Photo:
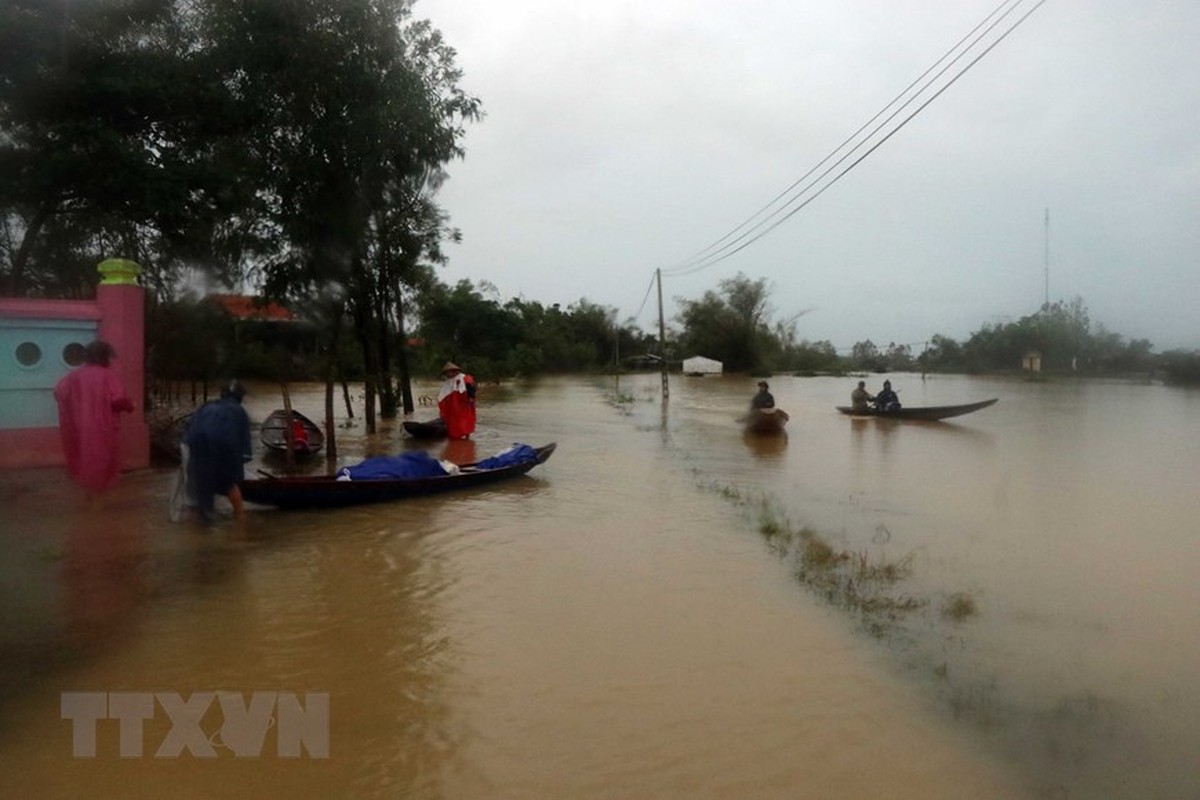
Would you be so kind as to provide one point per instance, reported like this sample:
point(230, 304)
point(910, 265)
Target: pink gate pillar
point(122, 324)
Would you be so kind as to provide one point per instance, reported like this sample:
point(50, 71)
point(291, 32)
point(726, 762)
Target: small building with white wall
point(699, 365)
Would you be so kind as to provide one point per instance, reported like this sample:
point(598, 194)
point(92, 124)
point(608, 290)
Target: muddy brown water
point(636, 617)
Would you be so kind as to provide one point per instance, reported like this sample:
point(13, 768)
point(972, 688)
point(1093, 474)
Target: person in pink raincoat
point(89, 400)
point(456, 402)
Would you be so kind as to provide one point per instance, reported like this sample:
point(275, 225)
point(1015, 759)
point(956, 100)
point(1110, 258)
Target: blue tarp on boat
point(517, 454)
point(414, 464)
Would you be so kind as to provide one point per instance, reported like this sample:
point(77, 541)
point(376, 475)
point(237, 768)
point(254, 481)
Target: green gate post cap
point(119, 272)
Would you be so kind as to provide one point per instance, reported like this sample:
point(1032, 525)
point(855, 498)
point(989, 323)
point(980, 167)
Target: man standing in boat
point(456, 401)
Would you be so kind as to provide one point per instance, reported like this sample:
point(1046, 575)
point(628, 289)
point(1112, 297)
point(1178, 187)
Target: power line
point(846, 141)
point(649, 288)
point(726, 247)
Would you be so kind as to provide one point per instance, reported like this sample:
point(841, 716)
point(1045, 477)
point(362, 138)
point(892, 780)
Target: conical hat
point(451, 366)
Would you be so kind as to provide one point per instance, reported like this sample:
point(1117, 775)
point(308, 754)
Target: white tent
point(699, 365)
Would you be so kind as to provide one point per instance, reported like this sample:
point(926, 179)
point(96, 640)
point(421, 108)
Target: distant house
point(242, 307)
point(1032, 362)
point(265, 332)
point(699, 365)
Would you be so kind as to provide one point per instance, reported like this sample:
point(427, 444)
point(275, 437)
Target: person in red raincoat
point(456, 402)
point(89, 400)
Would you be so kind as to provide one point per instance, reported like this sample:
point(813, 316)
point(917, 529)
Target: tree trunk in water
point(346, 395)
point(330, 440)
point(369, 403)
point(388, 400)
point(404, 376)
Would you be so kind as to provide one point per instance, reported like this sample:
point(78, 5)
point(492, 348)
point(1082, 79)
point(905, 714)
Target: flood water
point(1009, 607)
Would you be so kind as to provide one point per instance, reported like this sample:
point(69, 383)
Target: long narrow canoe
point(920, 412)
point(274, 433)
point(765, 420)
point(326, 491)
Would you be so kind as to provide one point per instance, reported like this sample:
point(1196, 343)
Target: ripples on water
point(617, 623)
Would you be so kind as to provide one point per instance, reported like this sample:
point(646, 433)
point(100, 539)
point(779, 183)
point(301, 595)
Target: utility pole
point(1046, 304)
point(616, 346)
point(662, 338)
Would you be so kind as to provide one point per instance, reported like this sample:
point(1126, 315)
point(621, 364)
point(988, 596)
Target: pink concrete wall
point(119, 312)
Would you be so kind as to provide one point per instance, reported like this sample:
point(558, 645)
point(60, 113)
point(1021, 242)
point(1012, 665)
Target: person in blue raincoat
point(218, 440)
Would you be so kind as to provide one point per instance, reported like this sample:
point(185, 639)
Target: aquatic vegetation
point(622, 401)
point(779, 535)
point(959, 606)
point(883, 571)
point(770, 527)
point(977, 702)
point(851, 580)
point(725, 491)
point(818, 555)
point(854, 582)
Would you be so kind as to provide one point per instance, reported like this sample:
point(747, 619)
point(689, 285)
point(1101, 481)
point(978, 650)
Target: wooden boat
point(765, 420)
point(326, 491)
point(274, 433)
point(433, 429)
point(921, 412)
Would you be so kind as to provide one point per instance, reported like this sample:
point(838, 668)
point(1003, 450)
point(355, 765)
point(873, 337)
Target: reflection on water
point(767, 448)
point(626, 620)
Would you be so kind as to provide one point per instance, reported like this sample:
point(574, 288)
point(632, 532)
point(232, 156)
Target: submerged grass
point(854, 581)
point(959, 606)
point(622, 401)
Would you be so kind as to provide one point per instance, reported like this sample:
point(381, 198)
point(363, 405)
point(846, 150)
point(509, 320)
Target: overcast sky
point(628, 135)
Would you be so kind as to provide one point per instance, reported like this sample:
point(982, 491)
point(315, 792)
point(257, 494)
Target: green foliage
point(731, 325)
point(1182, 367)
point(94, 98)
point(942, 354)
point(464, 325)
point(1060, 333)
point(812, 357)
point(290, 145)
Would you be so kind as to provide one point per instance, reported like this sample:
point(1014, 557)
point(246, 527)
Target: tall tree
point(732, 325)
point(354, 106)
point(92, 96)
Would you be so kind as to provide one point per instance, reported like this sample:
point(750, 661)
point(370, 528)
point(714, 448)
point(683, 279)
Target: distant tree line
point(190, 339)
point(735, 324)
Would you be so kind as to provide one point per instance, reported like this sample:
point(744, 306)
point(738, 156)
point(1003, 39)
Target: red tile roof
point(240, 306)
